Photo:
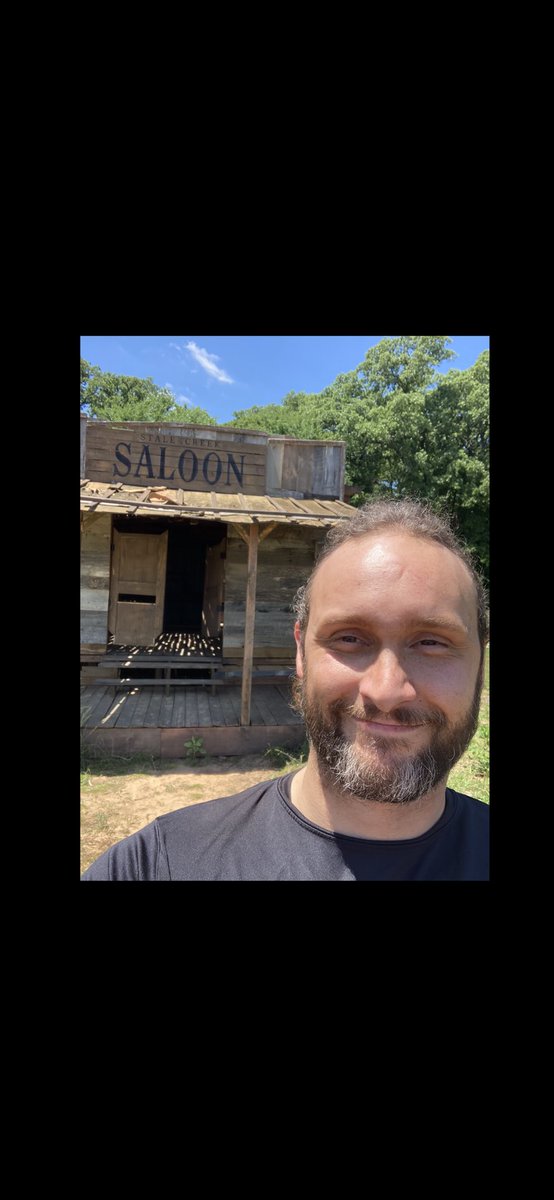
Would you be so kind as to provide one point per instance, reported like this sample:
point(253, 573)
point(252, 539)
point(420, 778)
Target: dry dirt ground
point(113, 806)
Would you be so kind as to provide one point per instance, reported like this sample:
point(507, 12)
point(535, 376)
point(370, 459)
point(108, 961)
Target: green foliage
point(108, 397)
point(193, 415)
point(293, 418)
point(471, 773)
point(194, 749)
point(99, 762)
point(409, 431)
point(286, 759)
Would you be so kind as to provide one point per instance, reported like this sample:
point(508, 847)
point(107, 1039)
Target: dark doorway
point(187, 554)
point(186, 562)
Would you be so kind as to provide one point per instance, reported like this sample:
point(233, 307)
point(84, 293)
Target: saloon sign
point(178, 459)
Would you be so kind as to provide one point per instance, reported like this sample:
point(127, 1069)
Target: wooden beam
point(268, 529)
point(241, 532)
point(249, 625)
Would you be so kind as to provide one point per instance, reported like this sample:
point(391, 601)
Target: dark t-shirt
point(258, 834)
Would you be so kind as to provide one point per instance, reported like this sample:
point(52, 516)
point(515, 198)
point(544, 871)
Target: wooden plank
point(281, 713)
point(126, 717)
point(230, 714)
point(102, 446)
point(250, 618)
point(284, 687)
point(94, 599)
point(204, 714)
point(90, 698)
point(236, 702)
point(159, 660)
point(253, 478)
point(169, 743)
point(178, 715)
point(83, 422)
point(179, 430)
point(141, 708)
point(268, 529)
point(256, 710)
point(126, 741)
point(144, 682)
point(97, 710)
point(216, 709)
point(191, 707)
point(94, 627)
point(114, 712)
point(166, 710)
point(241, 533)
point(263, 707)
point(212, 474)
point(105, 709)
point(151, 718)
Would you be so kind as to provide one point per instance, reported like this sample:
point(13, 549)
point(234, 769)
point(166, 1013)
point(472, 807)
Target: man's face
point(390, 676)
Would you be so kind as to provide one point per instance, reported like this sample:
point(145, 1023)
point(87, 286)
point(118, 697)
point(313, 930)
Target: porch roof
point(210, 506)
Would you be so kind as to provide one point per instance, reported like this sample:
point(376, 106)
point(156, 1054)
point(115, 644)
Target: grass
point(114, 764)
point(471, 773)
point(100, 763)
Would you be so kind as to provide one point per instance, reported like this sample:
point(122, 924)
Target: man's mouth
point(387, 728)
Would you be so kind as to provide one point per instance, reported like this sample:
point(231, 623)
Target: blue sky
point(222, 374)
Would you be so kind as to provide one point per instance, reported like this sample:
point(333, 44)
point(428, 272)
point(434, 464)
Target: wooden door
point(137, 588)
point(214, 578)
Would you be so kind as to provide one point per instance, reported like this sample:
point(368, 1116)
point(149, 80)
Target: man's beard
point(383, 774)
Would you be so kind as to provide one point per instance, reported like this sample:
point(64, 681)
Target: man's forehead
point(396, 563)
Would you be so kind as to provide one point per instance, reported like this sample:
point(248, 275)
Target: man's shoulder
point(471, 804)
point(172, 844)
point(212, 812)
point(470, 815)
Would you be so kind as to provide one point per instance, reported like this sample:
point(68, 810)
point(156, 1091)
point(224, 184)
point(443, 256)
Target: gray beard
point(392, 778)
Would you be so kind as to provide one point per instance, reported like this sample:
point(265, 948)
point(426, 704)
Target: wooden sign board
point(193, 458)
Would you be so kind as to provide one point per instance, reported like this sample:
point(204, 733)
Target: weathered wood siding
point(95, 578)
point(199, 458)
point(83, 444)
point(285, 559)
point(305, 468)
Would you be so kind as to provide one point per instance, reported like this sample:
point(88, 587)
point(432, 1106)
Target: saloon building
point(194, 540)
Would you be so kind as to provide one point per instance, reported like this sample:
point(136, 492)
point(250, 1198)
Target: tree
point(108, 397)
point(293, 417)
point(409, 431)
point(459, 451)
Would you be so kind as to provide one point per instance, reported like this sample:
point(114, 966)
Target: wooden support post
point(249, 625)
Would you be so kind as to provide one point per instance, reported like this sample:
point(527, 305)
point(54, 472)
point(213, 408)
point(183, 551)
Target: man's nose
point(386, 683)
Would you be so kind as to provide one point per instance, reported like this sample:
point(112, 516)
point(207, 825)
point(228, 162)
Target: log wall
point(285, 559)
point(95, 578)
point(305, 468)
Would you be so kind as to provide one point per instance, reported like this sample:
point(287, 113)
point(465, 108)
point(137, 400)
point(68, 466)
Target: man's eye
point(430, 642)
point(349, 638)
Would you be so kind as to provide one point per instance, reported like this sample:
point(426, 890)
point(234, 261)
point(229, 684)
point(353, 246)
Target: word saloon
point(212, 466)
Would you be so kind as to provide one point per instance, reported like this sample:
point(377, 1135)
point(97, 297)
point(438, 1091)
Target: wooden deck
point(146, 719)
point(179, 645)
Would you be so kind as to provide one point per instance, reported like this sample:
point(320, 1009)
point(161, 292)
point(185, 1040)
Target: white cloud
point(208, 362)
point(174, 346)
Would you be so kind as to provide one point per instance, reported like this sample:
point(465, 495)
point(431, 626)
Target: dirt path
point(113, 806)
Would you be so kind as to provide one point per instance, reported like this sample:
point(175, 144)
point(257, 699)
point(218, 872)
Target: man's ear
point(299, 654)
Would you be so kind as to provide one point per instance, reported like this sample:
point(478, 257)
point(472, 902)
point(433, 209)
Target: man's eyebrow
point(441, 623)
point(412, 622)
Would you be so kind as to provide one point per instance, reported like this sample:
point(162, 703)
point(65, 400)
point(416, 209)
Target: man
point(391, 636)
